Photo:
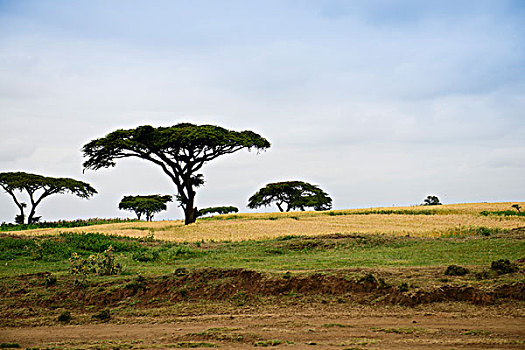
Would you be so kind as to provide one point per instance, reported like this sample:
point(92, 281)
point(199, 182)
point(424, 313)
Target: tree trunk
point(190, 211)
point(190, 215)
point(31, 215)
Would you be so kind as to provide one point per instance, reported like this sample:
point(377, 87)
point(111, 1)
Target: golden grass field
point(448, 220)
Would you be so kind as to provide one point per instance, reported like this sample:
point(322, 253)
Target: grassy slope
point(419, 221)
point(468, 245)
point(293, 254)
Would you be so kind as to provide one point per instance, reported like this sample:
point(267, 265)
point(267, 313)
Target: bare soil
point(442, 326)
point(237, 309)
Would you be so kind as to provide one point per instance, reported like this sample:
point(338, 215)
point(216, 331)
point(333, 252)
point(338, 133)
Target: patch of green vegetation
point(503, 266)
point(390, 212)
point(455, 270)
point(266, 343)
point(5, 227)
point(65, 317)
point(400, 330)
point(9, 345)
point(293, 253)
point(192, 345)
point(339, 325)
point(463, 231)
point(502, 213)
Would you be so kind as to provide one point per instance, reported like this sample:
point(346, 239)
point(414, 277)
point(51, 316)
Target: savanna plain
point(421, 277)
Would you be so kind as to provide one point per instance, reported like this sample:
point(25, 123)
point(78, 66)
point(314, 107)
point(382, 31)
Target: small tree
point(293, 194)
point(218, 210)
point(180, 150)
point(145, 205)
point(517, 207)
point(39, 187)
point(431, 200)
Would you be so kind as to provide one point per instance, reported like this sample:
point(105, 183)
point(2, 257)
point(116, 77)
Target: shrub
point(368, 278)
point(181, 271)
point(455, 270)
point(50, 280)
point(106, 263)
point(403, 287)
point(64, 317)
point(503, 266)
point(103, 315)
point(102, 264)
point(50, 250)
point(145, 255)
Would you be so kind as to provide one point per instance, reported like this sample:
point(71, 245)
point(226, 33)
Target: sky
point(378, 102)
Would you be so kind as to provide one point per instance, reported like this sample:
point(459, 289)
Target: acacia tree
point(180, 150)
point(218, 210)
point(147, 205)
point(293, 194)
point(431, 200)
point(39, 187)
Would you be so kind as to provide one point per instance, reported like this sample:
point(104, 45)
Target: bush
point(403, 287)
point(145, 255)
point(50, 280)
point(503, 266)
point(64, 317)
point(103, 315)
point(102, 264)
point(368, 278)
point(50, 250)
point(455, 270)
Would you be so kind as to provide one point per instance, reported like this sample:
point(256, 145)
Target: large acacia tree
point(39, 187)
point(179, 150)
point(290, 195)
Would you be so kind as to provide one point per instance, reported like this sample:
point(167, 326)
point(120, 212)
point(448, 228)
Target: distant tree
point(218, 210)
point(180, 150)
point(39, 187)
point(431, 200)
point(517, 207)
point(290, 195)
point(145, 205)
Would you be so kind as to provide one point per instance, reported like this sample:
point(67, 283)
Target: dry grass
point(455, 218)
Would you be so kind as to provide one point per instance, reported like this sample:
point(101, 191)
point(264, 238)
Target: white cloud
point(377, 111)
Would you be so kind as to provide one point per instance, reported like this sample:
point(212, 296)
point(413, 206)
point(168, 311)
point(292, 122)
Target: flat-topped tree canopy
point(39, 187)
point(293, 194)
point(180, 150)
point(148, 205)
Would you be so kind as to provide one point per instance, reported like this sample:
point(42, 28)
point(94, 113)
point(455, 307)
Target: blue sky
point(378, 102)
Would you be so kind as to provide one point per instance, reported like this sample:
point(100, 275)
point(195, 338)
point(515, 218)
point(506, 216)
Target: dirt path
point(295, 327)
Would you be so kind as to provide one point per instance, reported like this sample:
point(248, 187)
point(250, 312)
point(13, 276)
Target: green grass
point(502, 213)
point(31, 255)
point(5, 227)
